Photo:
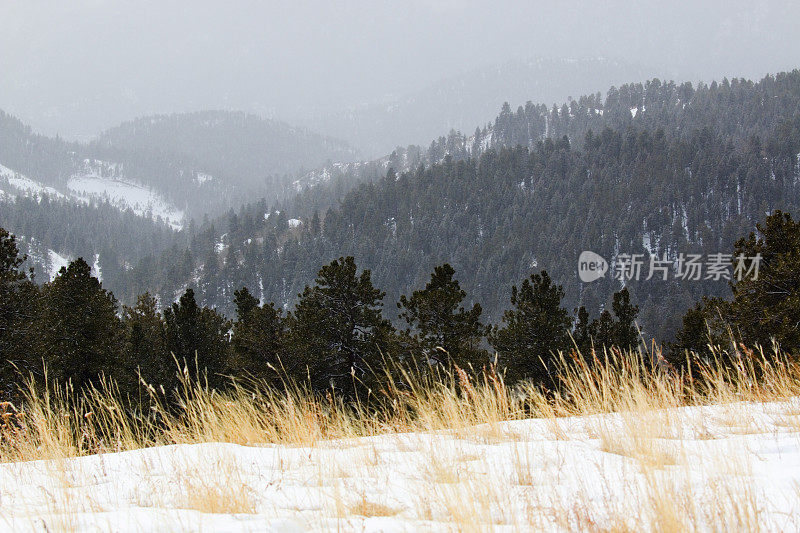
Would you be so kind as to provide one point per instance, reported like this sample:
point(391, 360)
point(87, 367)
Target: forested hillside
point(655, 168)
point(119, 200)
point(212, 160)
point(735, 109)
point(53, 231)
point(196, 163)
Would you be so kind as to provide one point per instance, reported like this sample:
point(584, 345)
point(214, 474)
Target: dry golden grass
point(468, 412)
point(63, 423)
point(215, 487)
point(367, 508)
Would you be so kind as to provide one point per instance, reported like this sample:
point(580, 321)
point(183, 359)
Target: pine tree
point(198, 335)
point(258, 336)
point(581, 334)
point(337, 334)
point(78, 327)
point(603, 331)
point(443, 329)
point(18, 298)
point(534, 330)
point(701, 326)
point(145, 354)
point(768, 307)
point(626, 333)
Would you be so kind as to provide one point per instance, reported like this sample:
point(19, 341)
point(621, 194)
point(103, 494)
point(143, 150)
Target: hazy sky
point(80, 65)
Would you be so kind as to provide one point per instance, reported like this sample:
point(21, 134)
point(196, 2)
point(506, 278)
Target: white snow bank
point(717, 465)
point(126, 194)
point(54, 263)
point(25, 184)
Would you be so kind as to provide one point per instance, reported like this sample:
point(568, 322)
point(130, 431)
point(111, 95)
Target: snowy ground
point(24, 184)
point(125, 194)
point(101, 181)
point(715, 468)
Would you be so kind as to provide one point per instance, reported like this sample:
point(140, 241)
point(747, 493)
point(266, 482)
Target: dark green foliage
point(78, 330)
point(121, 239)
point(581, 335)
point(534, 330)
point(768, 307)
point(145, 355)
point(764, 308)
point(694, 169)
point(704, 325)
point(617, 329)
point(443, 330)
point(626, 334)
point(198, 337)
point(337, 334)
point(674, 179)
point(602, 331)
point(18, 298)
point(258, 336)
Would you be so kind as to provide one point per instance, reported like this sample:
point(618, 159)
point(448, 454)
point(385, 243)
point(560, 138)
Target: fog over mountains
point(467, 101)
point(81, 67)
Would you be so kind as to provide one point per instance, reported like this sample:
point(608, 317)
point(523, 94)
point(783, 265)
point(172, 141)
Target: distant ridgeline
point(201, 163)
point(656, 169)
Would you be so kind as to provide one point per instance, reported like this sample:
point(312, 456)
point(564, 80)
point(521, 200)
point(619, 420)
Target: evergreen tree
point(78, 327)
point(258, 336)
point(580, 333)
point(603, 331)
point(444, 330)
point(145, 353)
point(626, 333)
point(198, 335)
point(18, 297)
point(535, 329)
point(767, 307)
point(701, 326)
point(337, 334)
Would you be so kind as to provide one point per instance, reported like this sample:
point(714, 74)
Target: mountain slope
point(686, 176)
point(215, 158)
point(202, 163)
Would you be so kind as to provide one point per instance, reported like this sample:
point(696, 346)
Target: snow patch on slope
point(26, 185)
point(54, 263)
point(93, 182)
point(201, 178)
point(97, 271)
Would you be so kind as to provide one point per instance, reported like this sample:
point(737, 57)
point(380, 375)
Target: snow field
point(723, 467)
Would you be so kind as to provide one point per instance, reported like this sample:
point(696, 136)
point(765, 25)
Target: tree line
point(337, 337)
